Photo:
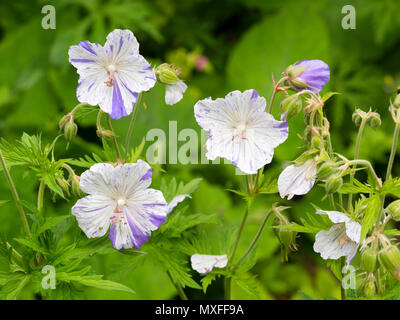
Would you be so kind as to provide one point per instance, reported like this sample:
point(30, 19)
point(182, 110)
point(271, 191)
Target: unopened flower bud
point(357, 117)
point(288, 242)
point(389, 257)
point(64, 121)
point(368, 259)
point(374, 120)
point(63, 183)
point(167, 73)
point(75, 186)
point(394, 210)
point(70, 130)
point(333, 184)
point(370, 287)
point(310, 74)
point(290, 106)
point(326, 169)
point(106, 134)
point(316, 142)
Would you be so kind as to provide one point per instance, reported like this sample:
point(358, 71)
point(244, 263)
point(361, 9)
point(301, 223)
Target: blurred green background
point(241, 44)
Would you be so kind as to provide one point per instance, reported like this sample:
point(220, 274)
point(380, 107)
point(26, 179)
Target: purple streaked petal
point(118, 108)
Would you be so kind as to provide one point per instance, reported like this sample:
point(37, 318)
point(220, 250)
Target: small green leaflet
point(373, 205)
point(356, 187)
point(392, 187)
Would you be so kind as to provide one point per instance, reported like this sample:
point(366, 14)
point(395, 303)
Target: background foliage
point(245, 41)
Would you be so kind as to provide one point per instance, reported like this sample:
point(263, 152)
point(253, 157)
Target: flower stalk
point(15, 195)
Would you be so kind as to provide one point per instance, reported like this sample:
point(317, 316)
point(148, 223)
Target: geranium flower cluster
point(241, 129)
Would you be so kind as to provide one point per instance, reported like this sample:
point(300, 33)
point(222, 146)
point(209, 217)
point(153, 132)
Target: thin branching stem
point(114, 139)
point(131, 125)
point(356, 154)
point(15, 195)
point(178, 287)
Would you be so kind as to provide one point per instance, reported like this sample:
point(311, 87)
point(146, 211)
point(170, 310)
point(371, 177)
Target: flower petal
point(120, 44)
point(129, 178)
point(328, 245)
point(175, 201)
point(353, 230)
point(316, 75)
point(297, 180)
point(335, 216)
point(89, 59)
point(204, 263)
point(174, 92)
point(97, 179)
point(93, 214)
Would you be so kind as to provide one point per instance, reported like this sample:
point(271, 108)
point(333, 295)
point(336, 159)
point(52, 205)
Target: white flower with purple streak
point(297, 179)
point(113, 75)
point(240, 129)
point(204, 263)
point(119, 199)
point(342, 240)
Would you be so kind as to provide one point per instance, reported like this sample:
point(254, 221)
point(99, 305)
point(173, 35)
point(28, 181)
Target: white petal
point(121, 43)
point(328, 245)
point(204, 263)
point(89, 59)
point(353, 230)
point(335, 216)
point(129, 178)
point(297, 180)
point(225, 118)
point(93, 214)
point(97, 179)
point(175, 201)
point(174, 92)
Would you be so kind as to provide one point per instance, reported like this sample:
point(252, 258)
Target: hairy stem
point(271, 102)
point(15, 195)
point(356, 154)
point(42, 187)
point(389, 168)
point(131, 124)
point(178, 287)
point(369, 166)
point(253, 243)
point(114, 139)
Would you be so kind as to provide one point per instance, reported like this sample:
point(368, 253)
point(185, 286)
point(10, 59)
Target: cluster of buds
point(373, 119)
point(69, 127)
point(104, 134)
point(394, 210)
point(286, 237)
point(329, 171)
point(290, 106)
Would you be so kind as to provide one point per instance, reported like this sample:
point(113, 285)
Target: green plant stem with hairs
point(15, 195)
point(114, 139)
point(178, 287)
point(131, 124)
point(356, 154)
point(395, 142)
point(42, 187)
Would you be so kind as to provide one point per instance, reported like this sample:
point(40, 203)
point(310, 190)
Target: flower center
point(240, 133)
point(119, 212)
point(110, 70)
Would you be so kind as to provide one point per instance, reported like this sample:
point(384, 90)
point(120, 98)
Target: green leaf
point(356, 187)
point(373, 205)
point(207, 279)
point(95, 281)
point(328, 95)
point(34, 245)
point(20, 285)
point(52, 222)
point(392, 187)
point(132, 252)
